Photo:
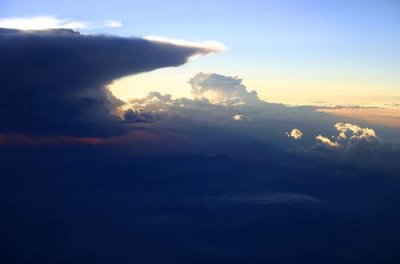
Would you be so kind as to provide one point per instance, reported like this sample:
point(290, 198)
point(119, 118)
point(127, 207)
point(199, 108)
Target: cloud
point(357, 133)
point(54, 81)
point(350, 137)
point(48, 22)
point(295, 134)
point(238, 117)
point(358, 145)
point(139, 115)
point(211, 45)
point(236, 113)
point(324, 141)
point(220, 89)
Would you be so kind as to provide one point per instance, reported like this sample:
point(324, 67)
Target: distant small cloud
point(238, 117)
point(295, 134)
point(49, 22)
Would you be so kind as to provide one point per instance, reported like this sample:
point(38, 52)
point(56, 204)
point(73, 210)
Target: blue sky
point(280, 48)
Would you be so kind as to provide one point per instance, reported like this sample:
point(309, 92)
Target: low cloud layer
point(55, 80)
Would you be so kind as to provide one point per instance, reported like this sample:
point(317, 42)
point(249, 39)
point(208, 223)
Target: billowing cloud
point(356, 132)
point(48, 22)
point(54, 81)
point(355, 144)
point(350, 136)
point(295, 134)
point(220, 89)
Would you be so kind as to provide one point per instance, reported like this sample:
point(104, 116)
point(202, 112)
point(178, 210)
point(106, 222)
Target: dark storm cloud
point(54, 81)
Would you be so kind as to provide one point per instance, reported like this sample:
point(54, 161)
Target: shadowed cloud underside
point(55, 81)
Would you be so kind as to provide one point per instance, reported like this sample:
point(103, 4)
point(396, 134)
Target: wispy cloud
point(49, 22)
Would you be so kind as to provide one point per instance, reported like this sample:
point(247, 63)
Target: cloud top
point(56, 79)
point(220, 89)
point(211, 46)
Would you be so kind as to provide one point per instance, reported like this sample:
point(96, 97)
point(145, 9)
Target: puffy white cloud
point(327, 142)
point(350, 137)
point(356, 132)
point(241, 118)
point(238, 117)
point(48, 22)
point(295, 134)
point(224, 90)
point(356, 144)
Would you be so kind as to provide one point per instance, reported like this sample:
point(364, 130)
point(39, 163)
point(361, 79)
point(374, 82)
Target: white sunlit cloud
point(210, 45)
point(295, 134)
point(49, 22)
point(327, 142)
point(349, 135)
point(355, 131)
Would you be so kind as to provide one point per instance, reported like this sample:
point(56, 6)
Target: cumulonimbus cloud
point(54, 81)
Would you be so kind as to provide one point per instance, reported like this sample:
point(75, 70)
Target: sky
point(288, 51)
point(199, 132)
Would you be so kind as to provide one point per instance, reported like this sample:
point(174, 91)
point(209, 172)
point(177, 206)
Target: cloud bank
point(55, 81)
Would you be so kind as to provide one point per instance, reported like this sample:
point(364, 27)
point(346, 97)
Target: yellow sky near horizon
point(292, 92)
point(373, 116)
